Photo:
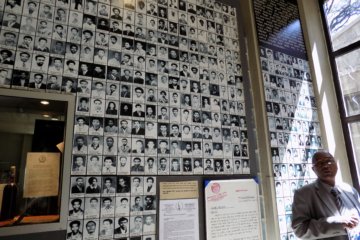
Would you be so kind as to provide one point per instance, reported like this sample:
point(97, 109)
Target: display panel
point(159, 91)
point(290, 103)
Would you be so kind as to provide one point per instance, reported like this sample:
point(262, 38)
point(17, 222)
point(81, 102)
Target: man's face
point(148, 220)
point(123, 163)
point(53, 79)
point(94, 182)
point(80, 182)
point(38, 79)
point(87, 35)
point(150, 181)
point(110, 142)
point(163, 145)
point(84, 67)
point(175, 129)
point(123, 223)
point(149, 201)
point(113, 40)
point(23, 57)
point(11, 38)
point(138, 222)
point(163, 162)
point(27, 40)
point(163, 128)
point(59, 29)
point(108, 183)
point(151, 144)
point(75, 228)
point(124, 125)
point(79, 161)
point(175, 164)
point(138, 92)
point(96, 123)
point(325, 167)
point(137, 160)
point(122, 181)
point(136, 182)
point(90, 227)
point(107, 162)
point(186, 130)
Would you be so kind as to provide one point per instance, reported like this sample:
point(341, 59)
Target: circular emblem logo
point(42, 159)
point(215, 188)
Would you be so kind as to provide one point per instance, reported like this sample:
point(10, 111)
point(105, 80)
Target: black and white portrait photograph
point(163, 166)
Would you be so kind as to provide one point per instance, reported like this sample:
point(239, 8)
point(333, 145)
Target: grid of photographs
point(112, 207)
point(159, 91)
point(294, 127)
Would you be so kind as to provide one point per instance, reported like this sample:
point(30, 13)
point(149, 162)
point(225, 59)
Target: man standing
point(325, 209)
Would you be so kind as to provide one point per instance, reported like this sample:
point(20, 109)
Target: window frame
point(345, 120)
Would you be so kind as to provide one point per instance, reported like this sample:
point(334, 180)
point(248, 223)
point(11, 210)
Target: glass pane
point(31, 135)
point(354, 129)
point(343, 19)
point(348, 67)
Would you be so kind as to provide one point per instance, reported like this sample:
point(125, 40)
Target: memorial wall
point(159, 91)
point(293, 122)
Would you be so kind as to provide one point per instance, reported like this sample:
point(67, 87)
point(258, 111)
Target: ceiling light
point(45, 115)
point(45, 102)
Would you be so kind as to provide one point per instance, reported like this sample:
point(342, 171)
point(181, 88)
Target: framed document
point(232, 209)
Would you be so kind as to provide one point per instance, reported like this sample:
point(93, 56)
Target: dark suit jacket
point(139, 80)
point(140, 132)
point(139, 114)
point(123, 79)
point(88, 73)
point(113, 77)
point(197, 135)
point(313, 205)
point(32, 85)
point(115, 31)
point(98, 75)
point(163, 41)
point(120, 231)
point(178, 135)
point(125, 94)
point(137, 168)
point(75, 189)
point(128, 33)
point(9, 62)
point(16, 25)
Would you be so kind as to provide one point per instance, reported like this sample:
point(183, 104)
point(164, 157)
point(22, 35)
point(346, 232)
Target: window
point(342, 21)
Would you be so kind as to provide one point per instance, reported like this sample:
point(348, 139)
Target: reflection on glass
point(30, 160)
point(354, 129)
point(348, 67)
point(343, 18)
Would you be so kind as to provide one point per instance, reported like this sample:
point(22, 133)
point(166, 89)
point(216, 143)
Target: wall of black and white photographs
point(290, 102)
point(159, 92)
